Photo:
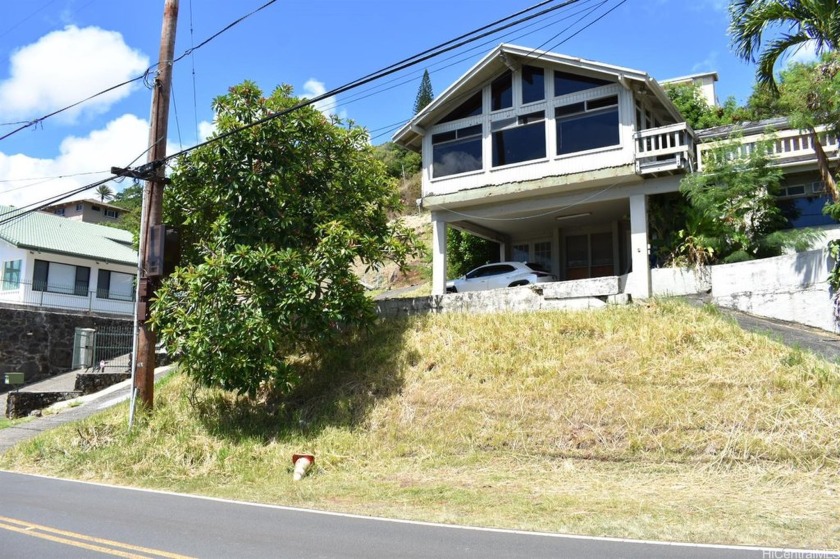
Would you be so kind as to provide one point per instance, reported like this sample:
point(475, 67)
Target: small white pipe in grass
point(302, 464)
point(131, 407)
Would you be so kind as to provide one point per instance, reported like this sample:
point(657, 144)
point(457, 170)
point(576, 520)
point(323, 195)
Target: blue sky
point(56, 52)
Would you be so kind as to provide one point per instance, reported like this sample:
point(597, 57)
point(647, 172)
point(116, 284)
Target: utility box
point(83, 342)
point(13, 379)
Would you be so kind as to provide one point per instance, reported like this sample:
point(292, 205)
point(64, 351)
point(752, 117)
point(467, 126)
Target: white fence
point(90, 301)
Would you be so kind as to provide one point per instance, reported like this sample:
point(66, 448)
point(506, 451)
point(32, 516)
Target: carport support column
point(638, 283)
point(438, 255)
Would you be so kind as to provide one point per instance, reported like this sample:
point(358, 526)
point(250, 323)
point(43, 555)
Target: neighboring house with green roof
point(53, 262)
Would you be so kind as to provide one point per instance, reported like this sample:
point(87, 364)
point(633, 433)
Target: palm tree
point(816, 21)
point(806, 21)
point(105, 193)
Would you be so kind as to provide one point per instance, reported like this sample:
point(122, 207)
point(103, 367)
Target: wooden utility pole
point(144, 380)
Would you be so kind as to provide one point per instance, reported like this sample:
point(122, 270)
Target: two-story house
point(89, 211)
point(48, 261)
point(556, 159)
point(552, 157)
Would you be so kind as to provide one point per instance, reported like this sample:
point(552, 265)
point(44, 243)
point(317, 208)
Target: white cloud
point(205, 130)
point(118, 144)
point(706, 65)
point(314, 88)
point(66, 66)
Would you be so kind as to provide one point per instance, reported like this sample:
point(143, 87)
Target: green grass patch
point(655, 421)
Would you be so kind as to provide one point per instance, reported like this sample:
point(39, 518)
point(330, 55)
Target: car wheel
point(518, 283)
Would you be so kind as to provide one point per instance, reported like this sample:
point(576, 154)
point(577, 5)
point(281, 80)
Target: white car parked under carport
point(498, 275)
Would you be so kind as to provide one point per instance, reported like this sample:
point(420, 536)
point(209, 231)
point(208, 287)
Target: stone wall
point(88, 383)
point(39, 342)
point(21, 404)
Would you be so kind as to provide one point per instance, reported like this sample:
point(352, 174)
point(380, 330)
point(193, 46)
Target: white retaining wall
point(792, 287)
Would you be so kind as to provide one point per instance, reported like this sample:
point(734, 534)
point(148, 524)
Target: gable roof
point(49, 233)
point(500, 59)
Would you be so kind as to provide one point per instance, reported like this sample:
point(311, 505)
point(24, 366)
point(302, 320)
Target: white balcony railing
point(664, 149)
point(787, 147)
point(24, 293)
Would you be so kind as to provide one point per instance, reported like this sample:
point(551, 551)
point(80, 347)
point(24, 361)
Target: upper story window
point(565, 83)
point(501, 92)
point(533, 84)
point(471, 107)
point(78, 207)
point(519, 139)
point(456, 151)
point(112, 213)
point(587, 125)
point(95, 208)
point(115, 285)
point(59, 211)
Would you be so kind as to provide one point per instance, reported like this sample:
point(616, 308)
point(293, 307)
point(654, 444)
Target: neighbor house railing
point(664, 149)
point(70, 298)
point(787, 147)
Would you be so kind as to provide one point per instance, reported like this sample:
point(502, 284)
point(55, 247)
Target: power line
point(392, 69)
point(143, 76)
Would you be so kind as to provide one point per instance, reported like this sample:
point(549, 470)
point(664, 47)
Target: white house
point(556, 158)
point(50, 261)
point(89, 211)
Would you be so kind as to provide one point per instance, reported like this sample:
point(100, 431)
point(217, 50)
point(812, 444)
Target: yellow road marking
point(44, 532)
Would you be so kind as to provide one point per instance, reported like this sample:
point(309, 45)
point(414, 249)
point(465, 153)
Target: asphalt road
point(45, 517)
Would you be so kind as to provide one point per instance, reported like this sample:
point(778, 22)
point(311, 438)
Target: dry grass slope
point(652, 421)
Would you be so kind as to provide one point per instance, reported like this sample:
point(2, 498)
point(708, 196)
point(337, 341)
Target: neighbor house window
point(11, 274)
point(95, 208)
point(78, 207)
point(501, 92)
point(519, 139)
point(59, 211)
point(471, 107)
point(112, 213)
point(115, 285)
point(456, 151)
point(565, 83)
point(60, 278)
point(533, 84)
point(587, 125)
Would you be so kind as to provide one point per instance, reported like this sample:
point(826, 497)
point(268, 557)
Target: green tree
point(808, 21)
point(272, 219)
point(733, 214)
point(465, 251)
point(698, 113)
point(424, 93)
point(105, 192)
point(130, 199)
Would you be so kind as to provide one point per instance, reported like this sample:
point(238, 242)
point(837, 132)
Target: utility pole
point(144, 379)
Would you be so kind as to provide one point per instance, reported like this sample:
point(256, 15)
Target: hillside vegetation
point(657, 421)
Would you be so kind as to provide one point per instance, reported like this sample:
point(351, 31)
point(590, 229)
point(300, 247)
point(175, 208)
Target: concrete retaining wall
point(792, 287)
point(570, 295)
point(670, 282)
point(39, 342)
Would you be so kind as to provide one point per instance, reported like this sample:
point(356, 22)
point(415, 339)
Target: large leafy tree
point(795, 23)
point(272, 217)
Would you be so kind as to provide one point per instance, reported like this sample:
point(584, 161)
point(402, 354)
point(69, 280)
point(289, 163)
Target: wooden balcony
point(665, 150)
point(787, 147)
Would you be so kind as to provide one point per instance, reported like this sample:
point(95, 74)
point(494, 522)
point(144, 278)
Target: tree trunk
point(823, 165)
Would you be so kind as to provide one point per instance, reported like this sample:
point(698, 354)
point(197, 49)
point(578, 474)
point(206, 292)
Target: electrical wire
point(143, 77)
point(392, 69)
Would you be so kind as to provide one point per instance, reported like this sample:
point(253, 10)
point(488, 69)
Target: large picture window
point(115, 285)
point(565, 83)
point(61, 278)
point(11, 274)
point(519, 139)
point(501, 92)
point(588, 125)
point(457, 151)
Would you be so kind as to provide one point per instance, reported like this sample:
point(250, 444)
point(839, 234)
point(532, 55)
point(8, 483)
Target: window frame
point(588, 112)
point(41, 279)
point(9, 270)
